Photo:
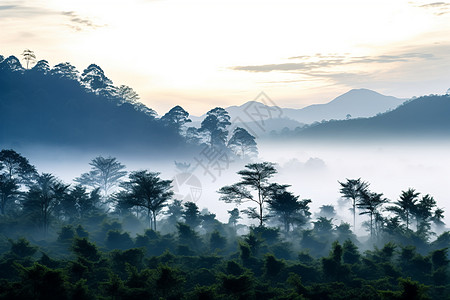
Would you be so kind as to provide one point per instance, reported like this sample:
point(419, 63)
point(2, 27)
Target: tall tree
point(106, 173)
point(28, 56)
point(17, 166)
point(405, 206)
point(243, 144)
point(369, 204)
point(43, 198)
point(288, 209)
point(147, 190)
point(352, 190)
point(423, 211)
point(9, 188)
point(176, 118)
point(256, 178)
point(191, 214)
point(215, 126)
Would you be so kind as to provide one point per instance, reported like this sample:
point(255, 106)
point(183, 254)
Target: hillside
point(422, 117)
point(356, 103)
point(51, 107)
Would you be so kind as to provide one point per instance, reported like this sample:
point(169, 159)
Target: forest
point(114, 234)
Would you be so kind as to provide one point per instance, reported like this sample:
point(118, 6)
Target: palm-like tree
point(352, 190)
point(28, 56)
point(406, 206)
point(370, 203)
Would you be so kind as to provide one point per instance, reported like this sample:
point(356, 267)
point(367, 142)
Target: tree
point(369, 204)
point(8, 189)
point(127, 94)
point(41, 66)
point(214, 125)
point(28, 56)
point(17, 166)
point(423, 211)
point(243, 144)
point(191, 214)
point(78, 203)
point(94, 79)
point(176, 118)
point(146, 190)
point(352, 190)
point(42, 199)
point(405, 207)
point(255, 177)
point(288, 209)
point(105, 174)
point(65, 70)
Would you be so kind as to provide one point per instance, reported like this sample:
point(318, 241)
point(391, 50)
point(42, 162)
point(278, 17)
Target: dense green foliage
point(59, 241)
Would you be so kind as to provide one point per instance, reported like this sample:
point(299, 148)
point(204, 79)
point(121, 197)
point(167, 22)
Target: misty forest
point(124, 229)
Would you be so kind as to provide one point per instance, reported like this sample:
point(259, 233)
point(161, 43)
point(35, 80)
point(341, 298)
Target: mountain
point(52, 107)
point(424, 117)
point(356, 103)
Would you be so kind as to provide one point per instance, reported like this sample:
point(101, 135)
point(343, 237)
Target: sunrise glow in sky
point(201, 54)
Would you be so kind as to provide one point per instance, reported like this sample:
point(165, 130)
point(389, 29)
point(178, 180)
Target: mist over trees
point(116, 233)
point(52, 232)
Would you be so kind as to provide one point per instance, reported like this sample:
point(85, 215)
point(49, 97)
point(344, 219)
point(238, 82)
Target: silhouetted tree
point(42, 67)
point(17, 166)
point(96, 81)
point(65, 70)
point(147, 190)
point(176, 118)
point(127, 94)
point(28, 56)
point(191, 214)
point(214, 125)
point(327, 211)
point(243, 144)
point(8, 189)
point(405, 206)
point(369, 204)
point(105, 174)
point(352, 190)
point(255, 177)
point(288, 209)
point(42, 199)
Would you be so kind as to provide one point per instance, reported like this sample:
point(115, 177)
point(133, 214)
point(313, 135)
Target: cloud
point(78, 23)
point(437, 8)
point(319, 61)
point(22, 11)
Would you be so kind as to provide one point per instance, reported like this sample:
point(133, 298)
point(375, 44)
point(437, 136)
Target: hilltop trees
point(28, 56)
point(214, 126)
point(243, 144)
point(176, 118)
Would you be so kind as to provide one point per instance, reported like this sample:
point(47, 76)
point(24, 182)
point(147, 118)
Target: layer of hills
point(58, 107)
point(424, 117)
point(263, 117)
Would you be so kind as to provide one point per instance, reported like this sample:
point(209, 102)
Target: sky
point(202, 54)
